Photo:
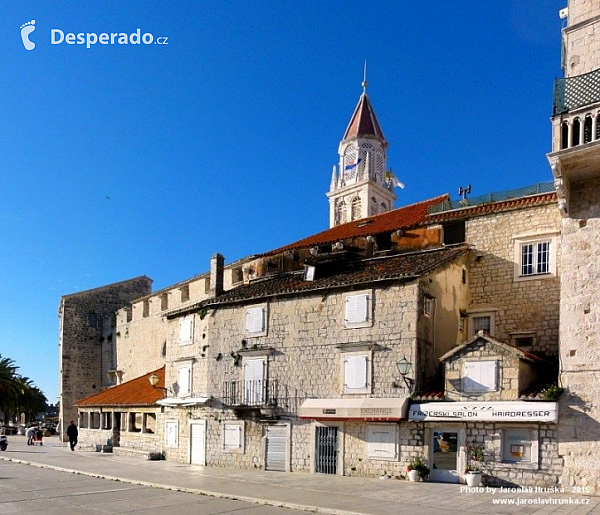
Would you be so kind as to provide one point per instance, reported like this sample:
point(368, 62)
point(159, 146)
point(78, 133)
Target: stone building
point(87, 340)
point(575, 163)
point(395, 333)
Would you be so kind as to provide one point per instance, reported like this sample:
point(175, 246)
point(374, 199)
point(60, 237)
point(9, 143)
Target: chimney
point(216, 275)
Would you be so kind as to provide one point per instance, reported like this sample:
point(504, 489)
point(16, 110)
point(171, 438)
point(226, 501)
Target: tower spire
point(364, 82)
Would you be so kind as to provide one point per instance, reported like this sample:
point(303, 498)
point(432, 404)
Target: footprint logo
point(26, 29)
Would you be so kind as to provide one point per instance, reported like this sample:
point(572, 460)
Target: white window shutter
point(184, 381)
point(185, 330)
point(355, 372)
point(233, 436)
point(255, 320)
point(480, 376)
point(381, 442)
point(357, 309)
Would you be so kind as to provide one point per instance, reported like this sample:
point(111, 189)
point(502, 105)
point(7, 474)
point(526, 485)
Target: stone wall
point(580, 326)
point(530, 305)
point(582, 37)
point(87, 321)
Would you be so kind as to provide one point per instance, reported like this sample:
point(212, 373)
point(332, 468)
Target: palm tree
point(8, 384)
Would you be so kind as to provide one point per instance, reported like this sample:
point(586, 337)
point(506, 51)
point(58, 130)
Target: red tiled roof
point(363, 121)
point(398, 267)
point(137, 392)
point(400, 218)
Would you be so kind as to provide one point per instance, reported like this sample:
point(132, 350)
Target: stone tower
point(575, 163)
point(87, 340)
point(361, 186)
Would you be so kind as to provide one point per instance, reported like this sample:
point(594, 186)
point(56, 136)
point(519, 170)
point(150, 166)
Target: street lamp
point(404, 368)
point(154, 379)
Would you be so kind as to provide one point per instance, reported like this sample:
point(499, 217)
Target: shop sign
point(485, 411)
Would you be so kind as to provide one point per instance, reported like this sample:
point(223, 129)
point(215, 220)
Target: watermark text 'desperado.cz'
point(89, 39)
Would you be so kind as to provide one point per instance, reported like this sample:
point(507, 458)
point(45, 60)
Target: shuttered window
point(256, 321)
point(357, 311)
point(382, 442)
point(184, 381)
point(356, 373)
point(171, 436)
point(233, 437)
point(480, 376)
point(186, 330)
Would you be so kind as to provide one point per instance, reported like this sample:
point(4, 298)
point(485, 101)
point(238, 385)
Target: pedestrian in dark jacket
point(72, 433)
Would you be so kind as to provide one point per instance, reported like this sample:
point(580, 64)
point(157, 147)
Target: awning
point(188, 401)
point(379, 409)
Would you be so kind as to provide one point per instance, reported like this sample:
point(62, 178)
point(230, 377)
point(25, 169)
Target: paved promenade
point(317, 493)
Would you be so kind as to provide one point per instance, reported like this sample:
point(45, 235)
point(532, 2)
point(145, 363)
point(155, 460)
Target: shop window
point(186, 330)
point(233, 436)
point(382, 442)
point(356, 370)
point(256, 321)
point(357, 311)
point(480, 376)
point(517, 445)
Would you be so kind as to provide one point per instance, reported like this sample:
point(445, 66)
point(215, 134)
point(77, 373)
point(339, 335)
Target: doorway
point(198, 443)
point(444, 456)
point(326, 450)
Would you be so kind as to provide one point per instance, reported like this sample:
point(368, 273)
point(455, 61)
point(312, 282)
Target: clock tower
point(361, 185)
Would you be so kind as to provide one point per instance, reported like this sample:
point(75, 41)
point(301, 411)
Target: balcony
point(574, 92)
point(254, 394)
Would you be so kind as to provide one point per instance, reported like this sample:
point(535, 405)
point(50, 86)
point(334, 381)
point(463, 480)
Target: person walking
point(29, 434)
point(72, 433)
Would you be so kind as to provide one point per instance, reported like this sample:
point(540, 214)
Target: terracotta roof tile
point(399, 267)
point(137, 392)
point(400, 218)
point(363, 121)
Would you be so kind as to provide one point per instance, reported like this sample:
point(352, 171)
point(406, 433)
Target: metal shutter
point(275, 448)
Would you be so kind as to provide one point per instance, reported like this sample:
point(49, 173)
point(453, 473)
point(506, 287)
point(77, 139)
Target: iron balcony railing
point(449, 205)
point(573, 92)
point(258, 392)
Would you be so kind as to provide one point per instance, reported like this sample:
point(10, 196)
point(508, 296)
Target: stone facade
point(87, 340)
point(519, 306)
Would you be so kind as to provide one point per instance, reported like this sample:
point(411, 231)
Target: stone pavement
point(311, 492)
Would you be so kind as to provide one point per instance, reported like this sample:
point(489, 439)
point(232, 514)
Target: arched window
point(587, 129)
point(575, 133)
point(356, 208)
point(342, 214)
point(374, 208)
point(383, 207)
point(597, 135)
point(564, 135)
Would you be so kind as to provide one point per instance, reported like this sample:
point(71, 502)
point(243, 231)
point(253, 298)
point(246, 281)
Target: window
point(428, 305)
point(237, 275)
point(256, 321)
point(382, 442)
point(186, 330)
point(356, 208)
point(356, 369)
point(517, 445)
point(146, 308)
point(357, 310)
point(480, 376)
point(171, 434)
point(93, 320)
point(535, 257)
point(482, 321)
point(233, 436)
point(164, 301)
point(185, 293)
point(184, 380)
point(254, 381)
point(342, 214)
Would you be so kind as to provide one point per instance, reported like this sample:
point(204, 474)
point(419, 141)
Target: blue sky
point(145, 159)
